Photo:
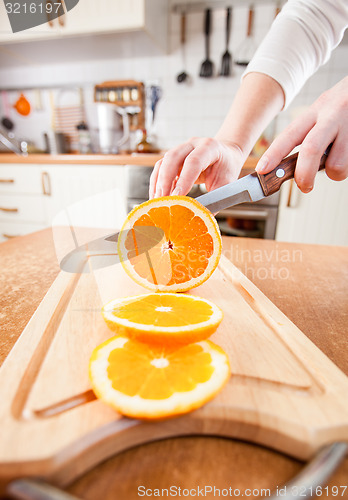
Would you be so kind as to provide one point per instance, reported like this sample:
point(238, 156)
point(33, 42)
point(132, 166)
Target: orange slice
point(167, 318)
point(188, 252)
point(149, 382)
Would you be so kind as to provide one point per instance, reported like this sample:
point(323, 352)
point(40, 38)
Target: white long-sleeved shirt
point(299, 41)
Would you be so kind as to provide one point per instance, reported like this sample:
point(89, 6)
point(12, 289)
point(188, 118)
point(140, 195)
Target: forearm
point(257, 102)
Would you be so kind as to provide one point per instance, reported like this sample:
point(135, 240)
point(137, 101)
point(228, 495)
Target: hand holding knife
point(251, 188)
point(254, 187)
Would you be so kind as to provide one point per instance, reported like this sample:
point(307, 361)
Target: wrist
point(236, 146)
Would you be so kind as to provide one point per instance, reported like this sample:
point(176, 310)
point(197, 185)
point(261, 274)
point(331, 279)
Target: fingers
point(202, 157)
point(337, 162)
point(286, 141)
point(170, 167)
point(153, 178)
point(314, 138)
point(182, 166)
point(311, 151)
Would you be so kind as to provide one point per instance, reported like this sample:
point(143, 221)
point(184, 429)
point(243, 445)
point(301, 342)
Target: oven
point(250, 220)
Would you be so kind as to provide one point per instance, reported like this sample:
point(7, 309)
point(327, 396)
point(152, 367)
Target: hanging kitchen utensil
point(247, 49)
point(6, 121)
point(22, 105)
point(155, 96)
point(207, 67)
point(226, 63)
point(183, 76)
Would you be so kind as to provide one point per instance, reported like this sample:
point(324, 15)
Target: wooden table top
point(307, 282)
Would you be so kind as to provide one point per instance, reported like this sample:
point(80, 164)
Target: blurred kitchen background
point(122, 78)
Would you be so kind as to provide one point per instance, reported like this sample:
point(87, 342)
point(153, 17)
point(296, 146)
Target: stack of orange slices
point(160, 364)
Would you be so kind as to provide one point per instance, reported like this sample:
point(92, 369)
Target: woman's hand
point(324, 122)
point(198, 160)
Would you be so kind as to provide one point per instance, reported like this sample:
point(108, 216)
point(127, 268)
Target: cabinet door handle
point(46, 183)
point(49, 13)
point(9, 236)
point(61, 18)
point(5, 209)
point(7, 181)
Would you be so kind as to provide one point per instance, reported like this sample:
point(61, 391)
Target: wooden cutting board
point(284, 393)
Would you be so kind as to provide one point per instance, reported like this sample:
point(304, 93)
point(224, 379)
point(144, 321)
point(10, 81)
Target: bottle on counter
point(144, 146)
point(85, 146)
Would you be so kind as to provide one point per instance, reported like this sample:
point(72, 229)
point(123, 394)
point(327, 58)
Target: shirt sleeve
point(299, 41)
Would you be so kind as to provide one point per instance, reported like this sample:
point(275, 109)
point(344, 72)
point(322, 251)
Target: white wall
point(185, 110)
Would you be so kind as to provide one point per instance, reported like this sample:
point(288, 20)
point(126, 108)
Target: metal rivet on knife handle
point(272, 181)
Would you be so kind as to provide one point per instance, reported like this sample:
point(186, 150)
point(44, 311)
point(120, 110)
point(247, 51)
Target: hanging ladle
point(183, 76)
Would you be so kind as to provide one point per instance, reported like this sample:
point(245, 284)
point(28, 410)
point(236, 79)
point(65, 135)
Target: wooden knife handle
point(272, 181)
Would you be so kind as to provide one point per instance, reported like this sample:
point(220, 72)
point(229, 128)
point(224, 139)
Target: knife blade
point(254, 187)
point(102, 252)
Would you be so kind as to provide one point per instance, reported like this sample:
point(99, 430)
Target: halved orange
point(144, 381)
point(167, 318)
point(188, 252)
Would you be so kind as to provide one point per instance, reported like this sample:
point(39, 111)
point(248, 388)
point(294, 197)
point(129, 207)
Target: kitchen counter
point(145, 160)
point(307, 282)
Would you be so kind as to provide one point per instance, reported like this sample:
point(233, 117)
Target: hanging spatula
point(226, 63)
point(207, 67)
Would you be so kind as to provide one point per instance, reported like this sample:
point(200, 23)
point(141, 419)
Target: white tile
point(340, 58)
point(194, 128)
point(211, 126)
point(336, 76)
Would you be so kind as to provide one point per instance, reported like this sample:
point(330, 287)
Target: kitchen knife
point(102, 252)
point(254, 187)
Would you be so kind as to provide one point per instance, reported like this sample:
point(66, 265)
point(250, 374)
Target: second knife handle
point(272, 181)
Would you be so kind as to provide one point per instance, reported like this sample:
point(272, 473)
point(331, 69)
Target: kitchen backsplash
point(187, 109)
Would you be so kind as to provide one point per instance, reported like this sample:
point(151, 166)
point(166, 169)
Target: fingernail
point(262, 164)
point(177, 191)
point(158, 192)
point(307, 189)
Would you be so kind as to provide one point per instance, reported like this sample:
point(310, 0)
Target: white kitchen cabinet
point(31, 196)
point(22, 207)
point(43, 31)
point(93, 17)
point(90, 16)
point(69, 184)
point(20, 179)
point(317, 217)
